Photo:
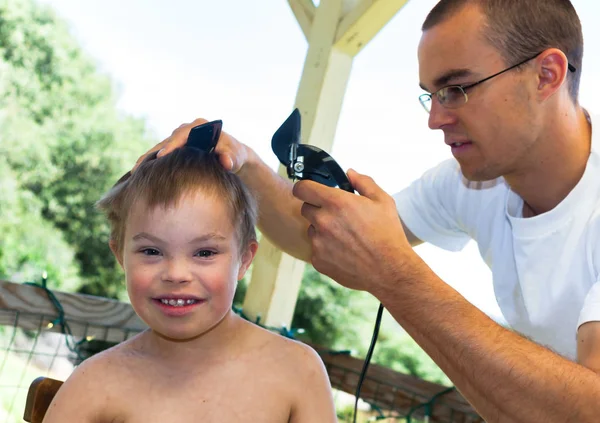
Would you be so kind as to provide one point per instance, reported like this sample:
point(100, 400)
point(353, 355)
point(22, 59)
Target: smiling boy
point(183, 231)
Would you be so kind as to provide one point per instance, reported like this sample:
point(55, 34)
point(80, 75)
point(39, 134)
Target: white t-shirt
point(545, 268)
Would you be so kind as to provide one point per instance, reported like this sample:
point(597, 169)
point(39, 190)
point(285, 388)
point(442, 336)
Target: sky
point(241, 61)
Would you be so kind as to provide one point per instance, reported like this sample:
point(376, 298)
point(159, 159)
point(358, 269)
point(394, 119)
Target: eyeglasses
point(455, 96)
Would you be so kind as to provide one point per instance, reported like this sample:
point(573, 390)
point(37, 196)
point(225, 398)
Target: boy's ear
point(115, 250)
point(246, 259)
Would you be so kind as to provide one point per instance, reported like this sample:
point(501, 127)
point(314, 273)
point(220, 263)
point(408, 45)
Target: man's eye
point(150, 252)
point(205, 253)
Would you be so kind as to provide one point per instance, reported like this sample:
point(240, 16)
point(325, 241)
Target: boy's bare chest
point(216, 398)
point(207, 411)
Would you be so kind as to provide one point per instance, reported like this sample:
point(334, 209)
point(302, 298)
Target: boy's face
point(182, 264)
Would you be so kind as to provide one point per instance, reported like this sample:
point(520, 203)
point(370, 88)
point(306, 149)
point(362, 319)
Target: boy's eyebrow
point(212, 235)
point(147, 236)
point(206, 237)
point(445, 79)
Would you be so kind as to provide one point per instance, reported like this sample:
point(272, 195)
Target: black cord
point(363, 373)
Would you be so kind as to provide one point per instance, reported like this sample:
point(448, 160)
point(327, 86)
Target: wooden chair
point(40, 394)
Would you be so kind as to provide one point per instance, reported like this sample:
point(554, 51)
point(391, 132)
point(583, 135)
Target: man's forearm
point(279, 212)
point(505, 377)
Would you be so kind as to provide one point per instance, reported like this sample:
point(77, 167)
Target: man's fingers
point(366, 186)
point(177, 139)
point(312, 192)
point(309, 212)
point(227, 162)
point(171, 143)
point(196, 122)
point(152, 150)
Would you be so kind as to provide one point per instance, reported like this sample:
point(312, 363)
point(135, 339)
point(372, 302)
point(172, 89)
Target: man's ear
point(115, 250)
point(246, 259)
point(553, 67)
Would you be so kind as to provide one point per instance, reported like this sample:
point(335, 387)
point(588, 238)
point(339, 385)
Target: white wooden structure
point(336, 31)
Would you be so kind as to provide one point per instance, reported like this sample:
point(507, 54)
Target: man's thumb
point(365, 185)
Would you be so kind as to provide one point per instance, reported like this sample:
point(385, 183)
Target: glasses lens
point(425, 100)
point(452, 97)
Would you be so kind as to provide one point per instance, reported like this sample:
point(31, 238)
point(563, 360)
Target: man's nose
point(440, 116)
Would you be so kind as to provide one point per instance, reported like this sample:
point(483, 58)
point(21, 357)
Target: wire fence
point(26, 354)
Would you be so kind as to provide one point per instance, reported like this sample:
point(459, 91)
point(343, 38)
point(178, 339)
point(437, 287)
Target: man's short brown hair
point(522, 28)
point(165, 180)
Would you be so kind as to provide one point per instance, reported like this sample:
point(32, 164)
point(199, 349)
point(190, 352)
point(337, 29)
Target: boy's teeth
point(178, 302)
point(458, 144)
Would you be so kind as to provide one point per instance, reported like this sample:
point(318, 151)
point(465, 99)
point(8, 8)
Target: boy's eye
point(150, 252)
point(205, 253)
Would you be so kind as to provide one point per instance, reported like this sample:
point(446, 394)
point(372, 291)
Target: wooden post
point(336, 31)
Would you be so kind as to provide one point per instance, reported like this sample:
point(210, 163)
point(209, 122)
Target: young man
point(183, 231)
point(502, 78)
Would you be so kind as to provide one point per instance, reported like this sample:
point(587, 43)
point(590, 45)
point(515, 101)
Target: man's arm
point(410, 237)
point(506, 377)
point(588, 346)
point(279, 212)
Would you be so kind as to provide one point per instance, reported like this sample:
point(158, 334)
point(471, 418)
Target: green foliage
point(65, 144)
point(398, 351)
point(329, 313)
point(29, 243)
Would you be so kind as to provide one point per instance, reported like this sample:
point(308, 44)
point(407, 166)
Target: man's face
point(493, 133)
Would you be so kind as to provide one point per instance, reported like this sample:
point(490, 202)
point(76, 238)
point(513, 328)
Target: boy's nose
point(177, 271)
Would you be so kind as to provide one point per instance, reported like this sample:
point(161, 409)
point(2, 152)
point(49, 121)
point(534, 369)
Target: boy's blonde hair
point(163, 181)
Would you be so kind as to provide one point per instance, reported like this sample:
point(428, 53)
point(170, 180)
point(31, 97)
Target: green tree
point(28, 243)
point(63, 137)
point(398, 351)
point(332, 315)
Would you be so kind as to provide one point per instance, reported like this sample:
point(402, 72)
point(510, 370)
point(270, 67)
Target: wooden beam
point(348, 7)
point(276, 276)
point(273, 290)
point(324, 78)
point(304, 10)
point(336, 30)
point(363, 22)
point(29, 308)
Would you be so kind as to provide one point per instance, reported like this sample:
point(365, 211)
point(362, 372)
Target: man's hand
point(356, 240)
point(232, 153)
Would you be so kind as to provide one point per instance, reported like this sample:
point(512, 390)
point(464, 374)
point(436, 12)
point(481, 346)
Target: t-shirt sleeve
point(591, 306)
point(428, 207)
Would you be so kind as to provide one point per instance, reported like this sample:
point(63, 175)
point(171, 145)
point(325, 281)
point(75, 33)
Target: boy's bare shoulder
point(108, 365)
point(94, 383)
point(284, 360)
point(293, 356)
